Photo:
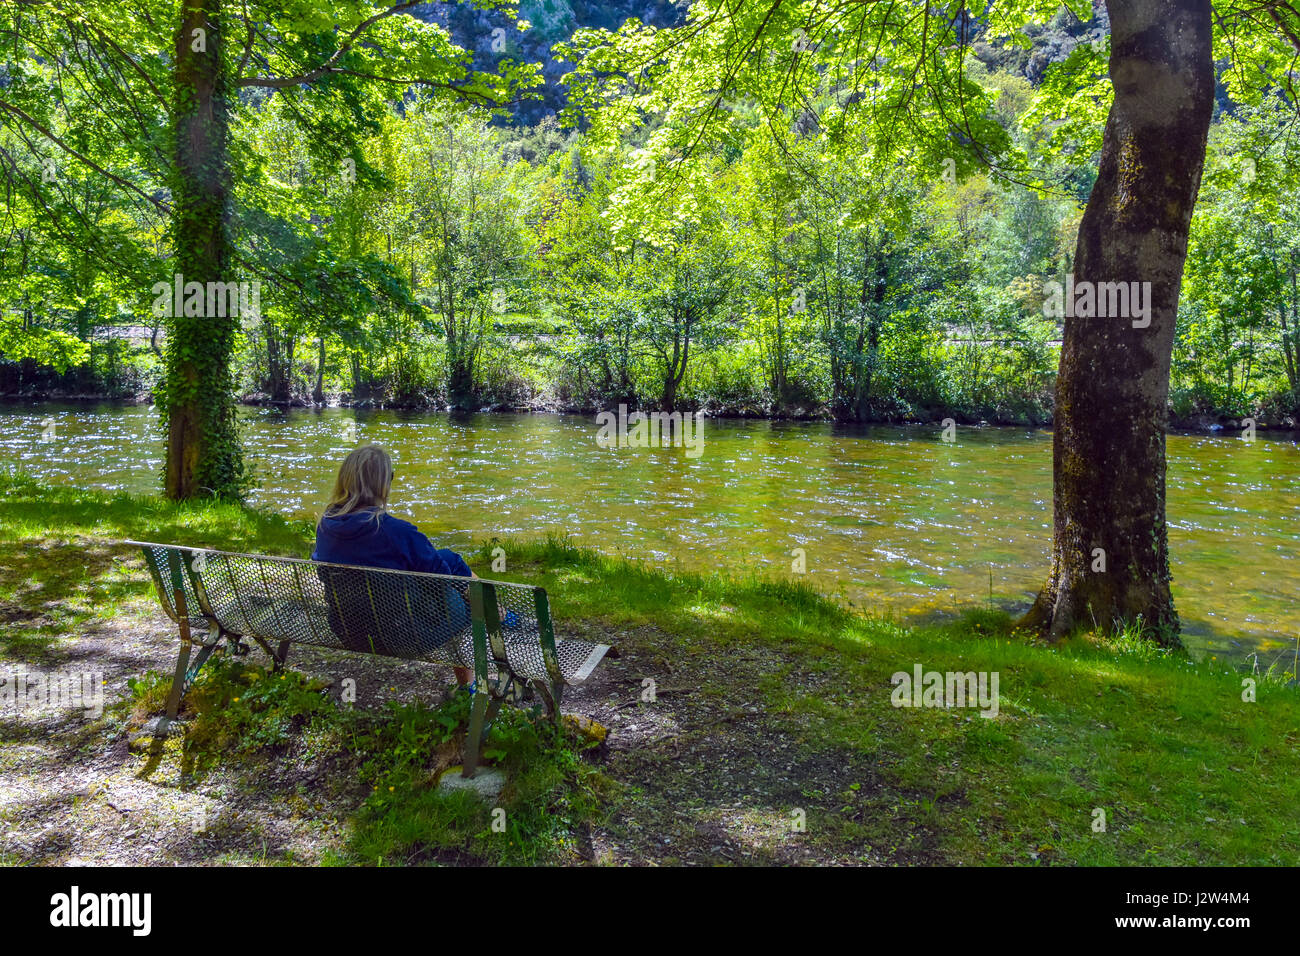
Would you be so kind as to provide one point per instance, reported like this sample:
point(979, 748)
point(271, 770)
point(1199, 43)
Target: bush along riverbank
point(746, 720)
point(525, 367)
point(1195, 422)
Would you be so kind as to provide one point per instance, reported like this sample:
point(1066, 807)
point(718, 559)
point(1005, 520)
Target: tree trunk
point(358, 389)
point(318, 393)
point(1111, 393)
point(1288, 342)
point(460, 376)
point(279, 365)
point(676, 365)
point(668, 402)
point(203, 452)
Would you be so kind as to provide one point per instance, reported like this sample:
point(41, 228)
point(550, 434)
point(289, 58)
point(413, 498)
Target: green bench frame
point(489, 644)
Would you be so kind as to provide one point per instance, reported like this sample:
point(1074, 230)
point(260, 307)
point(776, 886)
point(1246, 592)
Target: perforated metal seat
point(501, 630)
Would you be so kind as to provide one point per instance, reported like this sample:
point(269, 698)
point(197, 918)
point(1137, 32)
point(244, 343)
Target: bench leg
point(474, 736)
point(178, 681)
point(550, 695)
point(483, 712)
point(543, 691)
point(278, 655)
point(493, 708)
point(185, 674)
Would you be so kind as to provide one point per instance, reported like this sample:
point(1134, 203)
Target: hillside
point(554, 21)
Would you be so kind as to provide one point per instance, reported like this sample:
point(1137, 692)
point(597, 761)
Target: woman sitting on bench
point(357, 529)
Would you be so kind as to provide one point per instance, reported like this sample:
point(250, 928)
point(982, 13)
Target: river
point(894, 519)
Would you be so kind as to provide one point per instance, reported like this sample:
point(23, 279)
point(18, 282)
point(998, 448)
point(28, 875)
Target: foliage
point(797, 225)
point(141, 109)
point(1239, 342)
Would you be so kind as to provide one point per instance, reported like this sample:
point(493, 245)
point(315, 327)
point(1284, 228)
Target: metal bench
point(501, 630)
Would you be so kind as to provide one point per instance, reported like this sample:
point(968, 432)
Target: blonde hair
point(365, 478)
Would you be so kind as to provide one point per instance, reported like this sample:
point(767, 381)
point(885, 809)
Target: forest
point(466, 252)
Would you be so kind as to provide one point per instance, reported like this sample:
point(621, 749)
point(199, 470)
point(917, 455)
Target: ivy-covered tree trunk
point(1110, 558)
point(203, 452)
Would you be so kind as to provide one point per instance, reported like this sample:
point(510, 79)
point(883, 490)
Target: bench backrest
point(461, 621)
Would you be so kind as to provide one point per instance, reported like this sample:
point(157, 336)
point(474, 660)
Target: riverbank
point(771, 737)
point(1207, 423)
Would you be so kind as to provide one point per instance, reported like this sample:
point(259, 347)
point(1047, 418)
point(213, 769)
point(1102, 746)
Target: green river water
point(890, 518)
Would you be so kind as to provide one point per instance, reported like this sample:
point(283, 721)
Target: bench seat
point(501, 630)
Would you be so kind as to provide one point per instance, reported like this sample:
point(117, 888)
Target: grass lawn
point(771, 735)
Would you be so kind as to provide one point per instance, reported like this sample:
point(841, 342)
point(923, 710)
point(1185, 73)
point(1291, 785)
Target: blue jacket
point(393, 617)
point(390, 542)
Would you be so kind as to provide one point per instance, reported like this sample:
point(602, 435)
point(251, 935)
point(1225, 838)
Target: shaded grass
point(388, 761)
point(66, 563)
